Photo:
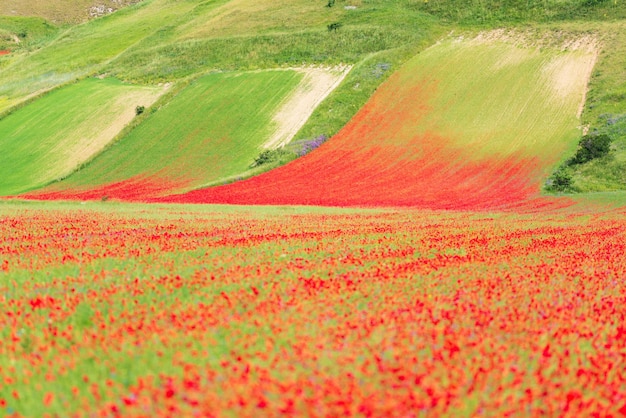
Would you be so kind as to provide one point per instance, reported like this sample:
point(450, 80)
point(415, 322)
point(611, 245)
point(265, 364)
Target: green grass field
point(52, 136)
point(211, 130)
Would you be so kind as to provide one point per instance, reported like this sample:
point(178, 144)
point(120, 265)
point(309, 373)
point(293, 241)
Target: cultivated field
point(211, 130)
point(430, 137)
point(313, 208)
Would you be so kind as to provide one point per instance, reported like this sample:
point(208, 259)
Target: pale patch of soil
point(567, 73)
point(537, 38)
point(570, 73)
point(316, 85)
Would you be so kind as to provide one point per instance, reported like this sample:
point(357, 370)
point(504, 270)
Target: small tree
point(139, 110)
point(560, 181)
point(591, 146)
point(334, 26)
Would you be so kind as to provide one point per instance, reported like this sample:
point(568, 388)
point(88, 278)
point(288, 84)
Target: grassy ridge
point(210, 130)
point(50, 137)
point(507, 12)
point(227, 38)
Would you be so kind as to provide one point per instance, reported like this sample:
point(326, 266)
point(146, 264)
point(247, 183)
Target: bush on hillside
point(333, 27)
point(590, 147)
point(273, 156)
point(560, 181)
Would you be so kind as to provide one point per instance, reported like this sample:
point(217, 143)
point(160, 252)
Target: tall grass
point(498, 12)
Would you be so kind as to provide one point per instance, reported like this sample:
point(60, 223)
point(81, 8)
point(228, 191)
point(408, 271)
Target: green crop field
point(51, 137)
point(212, 129)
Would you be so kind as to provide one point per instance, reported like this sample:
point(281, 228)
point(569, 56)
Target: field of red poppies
point(111, 309)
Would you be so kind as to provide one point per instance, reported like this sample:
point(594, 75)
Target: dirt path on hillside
point(316, 85)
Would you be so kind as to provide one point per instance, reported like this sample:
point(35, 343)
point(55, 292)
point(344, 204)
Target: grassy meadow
point(51, 137)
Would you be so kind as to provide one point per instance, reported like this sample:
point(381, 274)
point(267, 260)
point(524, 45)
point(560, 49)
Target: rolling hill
point(468, 123)
point(468, 118)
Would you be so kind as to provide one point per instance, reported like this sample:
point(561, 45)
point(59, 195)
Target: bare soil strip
point(316, 85)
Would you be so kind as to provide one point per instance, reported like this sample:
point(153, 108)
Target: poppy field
point(163, 310)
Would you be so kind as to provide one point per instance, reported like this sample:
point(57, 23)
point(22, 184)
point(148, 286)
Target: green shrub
point(560, 181)
point(334, 26)
point(590, 147)
point(273, 156)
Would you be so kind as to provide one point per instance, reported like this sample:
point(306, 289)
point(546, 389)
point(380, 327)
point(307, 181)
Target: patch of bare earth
point(567, 73)
point(315, 86)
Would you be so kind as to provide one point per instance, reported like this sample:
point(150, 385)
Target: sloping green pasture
point(212, 129)
point(52, 136)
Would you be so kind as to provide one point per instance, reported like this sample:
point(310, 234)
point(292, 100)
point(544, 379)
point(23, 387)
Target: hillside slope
point(468, 123)
point(162, 41)
point(212, 129)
